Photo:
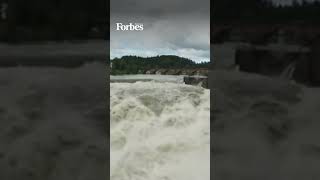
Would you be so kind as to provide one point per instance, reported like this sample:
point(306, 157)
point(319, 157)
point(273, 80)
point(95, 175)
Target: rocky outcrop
point(301, 66)
point(197, 80)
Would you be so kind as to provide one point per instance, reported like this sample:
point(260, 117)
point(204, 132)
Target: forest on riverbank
point(136, 64)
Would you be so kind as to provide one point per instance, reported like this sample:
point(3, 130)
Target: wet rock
point(196, 80)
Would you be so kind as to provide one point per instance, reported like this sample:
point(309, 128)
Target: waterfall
point(287, 73)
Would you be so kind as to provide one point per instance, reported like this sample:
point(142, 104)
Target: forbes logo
point(129, 27)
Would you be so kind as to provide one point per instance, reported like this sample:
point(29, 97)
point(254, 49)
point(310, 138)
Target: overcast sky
point(171, 27)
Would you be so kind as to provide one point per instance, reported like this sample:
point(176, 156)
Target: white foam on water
point(159, 131)
point(264, 128)
point(147, 77)
point(52, 123)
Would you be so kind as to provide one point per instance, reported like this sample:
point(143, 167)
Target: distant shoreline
point(67, 53)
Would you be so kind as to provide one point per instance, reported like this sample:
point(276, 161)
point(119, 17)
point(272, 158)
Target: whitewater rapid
point(264, 128)
point(53, 123)
point(159, 131)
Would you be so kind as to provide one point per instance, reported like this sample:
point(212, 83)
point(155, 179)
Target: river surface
point(148, 77)
point(159, 131)
point(53, 123)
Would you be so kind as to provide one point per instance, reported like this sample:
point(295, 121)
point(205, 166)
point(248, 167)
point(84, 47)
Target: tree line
point(137, 65)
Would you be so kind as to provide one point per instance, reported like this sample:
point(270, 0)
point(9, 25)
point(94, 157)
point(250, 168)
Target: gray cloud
point(177, 27)
point(158, 8)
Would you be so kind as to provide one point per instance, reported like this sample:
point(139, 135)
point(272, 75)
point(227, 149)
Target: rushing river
point(159, 131)
point(146, 77)
point(53, 126)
